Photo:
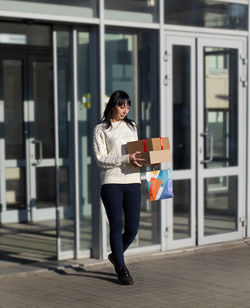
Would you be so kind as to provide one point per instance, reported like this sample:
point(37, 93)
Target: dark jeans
point(117, 198)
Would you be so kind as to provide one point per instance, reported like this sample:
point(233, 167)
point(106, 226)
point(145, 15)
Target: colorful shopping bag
point(160, 184)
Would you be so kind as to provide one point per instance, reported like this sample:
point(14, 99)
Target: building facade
point(185, 67)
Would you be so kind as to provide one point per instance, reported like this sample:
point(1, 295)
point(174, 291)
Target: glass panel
point(44, 108)
point(207, 13)
point(66, 139)
point(24, 34)
point(84, 111)
point(132, 65)
point(220, 205)
point(182, 209)
point(64, 89)
point(181, 107)
point(67, 212)
point(150, 220)
point(15, 188)
point(76, 8)
point(13, 109)
point(221, 105)
point(132, 10)
point(45, 187)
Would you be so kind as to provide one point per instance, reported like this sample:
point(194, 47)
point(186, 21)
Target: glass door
point(14, 118)
point(180, 110)
point(41, 142)
point(205, 92)
point(27, 156)
point(221, 131)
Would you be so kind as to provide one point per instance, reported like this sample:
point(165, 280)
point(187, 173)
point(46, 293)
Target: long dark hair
point(119, 98)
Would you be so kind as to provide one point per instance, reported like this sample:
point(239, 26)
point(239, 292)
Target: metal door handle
point(206, 134)
point(39, 160)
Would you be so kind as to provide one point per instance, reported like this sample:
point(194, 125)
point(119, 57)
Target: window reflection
point(15, 188)
point(182, 209)
point(181, 107)
point(65, 138)
point(221, 105)
point(81, 8)
point(13, 111)
point(86, 118)
point(207, 13)
point(132, 65)
point(220, 205)
point(46, 187)
point(25, 34)
point(136, 10)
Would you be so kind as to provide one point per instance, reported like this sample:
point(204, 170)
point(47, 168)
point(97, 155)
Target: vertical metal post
point(248, 134)
point(103, 227)
point(58, 239)
point(76, 149)
point(2, 153)
point(163, 113)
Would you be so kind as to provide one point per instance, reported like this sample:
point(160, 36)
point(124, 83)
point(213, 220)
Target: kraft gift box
point(147, 145)
point(155, 157)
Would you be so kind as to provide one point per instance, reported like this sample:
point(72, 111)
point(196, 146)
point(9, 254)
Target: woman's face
point(120, 112)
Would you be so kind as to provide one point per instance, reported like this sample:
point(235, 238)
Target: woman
point(120, 178)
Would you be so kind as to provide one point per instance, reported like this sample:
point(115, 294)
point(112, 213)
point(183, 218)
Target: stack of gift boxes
point(153, 150)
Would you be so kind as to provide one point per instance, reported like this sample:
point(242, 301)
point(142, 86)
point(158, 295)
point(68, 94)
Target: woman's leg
point(132, 208)
point(112, 197)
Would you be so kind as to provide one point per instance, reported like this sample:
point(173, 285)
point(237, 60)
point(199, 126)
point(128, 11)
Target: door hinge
point(166, 233)
point(166, 80)
point(243, 59)
point(166, 56)
point(243, 82)
point(243, 222)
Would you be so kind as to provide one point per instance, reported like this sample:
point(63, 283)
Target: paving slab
point(206, 277)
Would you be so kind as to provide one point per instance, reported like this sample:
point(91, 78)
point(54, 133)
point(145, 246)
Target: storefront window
point(24, 34)
point(87, 118)
point(207, 13)
point(182, 209)
point(132, 10)
point(181, 56)
point(65, 135)
point(220, 205)
point(132, 66)
point(73, 8)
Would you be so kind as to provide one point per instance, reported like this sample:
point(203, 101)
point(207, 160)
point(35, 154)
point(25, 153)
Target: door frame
point(238, 170)
point(188, 174)
point(191, 39)
point(24, 54)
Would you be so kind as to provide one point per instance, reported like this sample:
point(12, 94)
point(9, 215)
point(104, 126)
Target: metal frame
point(36, 214)
point(164, 128)
point(170, 40)
point(28, 162)
point(76, 163)
point(240, 169)
point(163, 123)
point(248, 135)
point(2, 152)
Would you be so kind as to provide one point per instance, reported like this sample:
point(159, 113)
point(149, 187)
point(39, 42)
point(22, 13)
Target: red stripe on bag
point(161, 143)
point(144, 145)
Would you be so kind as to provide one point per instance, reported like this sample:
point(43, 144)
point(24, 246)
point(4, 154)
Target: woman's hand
point(136, 161)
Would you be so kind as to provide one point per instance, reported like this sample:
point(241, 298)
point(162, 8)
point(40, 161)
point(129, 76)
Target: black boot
point(124, 276)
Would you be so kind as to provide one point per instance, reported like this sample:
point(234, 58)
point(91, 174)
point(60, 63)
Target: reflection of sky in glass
point(63, 2)
point(207, 13)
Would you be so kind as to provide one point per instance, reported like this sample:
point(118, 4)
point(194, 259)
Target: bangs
point(123, 101)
